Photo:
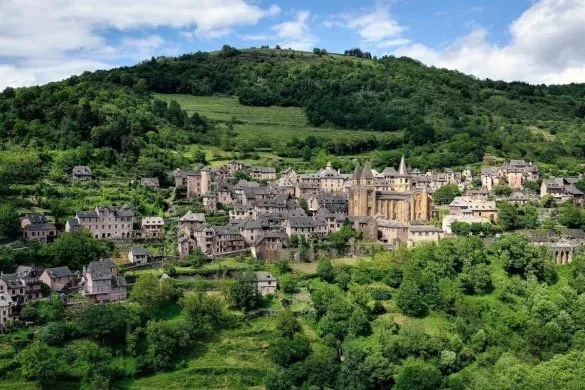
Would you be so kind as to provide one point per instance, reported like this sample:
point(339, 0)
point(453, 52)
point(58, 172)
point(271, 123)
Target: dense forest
point(445, 118)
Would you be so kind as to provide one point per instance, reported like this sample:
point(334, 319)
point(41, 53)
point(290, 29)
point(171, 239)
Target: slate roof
point(36, 227)
point(425, 228)
point(192, 217)
point(81, 170)
point(119, 281)
point(35, 218)
point(264, 277)
point(139, 251)
point(301, 222)
point(101, 269)
point(59, 272)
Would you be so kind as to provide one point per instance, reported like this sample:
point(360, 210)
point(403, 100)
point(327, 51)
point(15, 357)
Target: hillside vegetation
point(437, 117)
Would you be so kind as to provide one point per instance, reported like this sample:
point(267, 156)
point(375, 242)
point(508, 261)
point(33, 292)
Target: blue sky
point(539, 41)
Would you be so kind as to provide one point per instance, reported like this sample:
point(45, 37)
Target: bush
point(380, 293)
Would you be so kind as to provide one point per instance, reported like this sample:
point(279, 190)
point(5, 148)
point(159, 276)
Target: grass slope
point(276, 125)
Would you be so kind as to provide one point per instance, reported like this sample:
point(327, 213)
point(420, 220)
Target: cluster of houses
point(271, 211)
point(99, 281)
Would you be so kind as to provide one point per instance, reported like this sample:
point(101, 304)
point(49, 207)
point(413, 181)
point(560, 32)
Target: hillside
point(438, 118)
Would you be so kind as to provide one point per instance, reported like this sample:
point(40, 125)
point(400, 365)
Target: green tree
point(75, 249)
point(38, 362)
point(508, 216)
point(243, 292)
point(9, 220)
point(165, 339)
point(205, 313)
point(461, 229)
point(287, 324)
point(571, 215)
point(502, 190)
point(359, 323)
point(446, 194)
point(416, 374)
point(287, 351)
point(105, 323)
point(325, 269)
point(89, 362)
point(410, 299)
point(152, 293)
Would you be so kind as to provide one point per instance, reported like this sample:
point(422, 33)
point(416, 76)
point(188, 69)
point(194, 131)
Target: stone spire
point(357, 173)
point(402, 167)
point(329, 165)
point(367, 171)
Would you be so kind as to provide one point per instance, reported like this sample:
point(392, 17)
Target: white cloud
point(547, 46)
point(375, 28)
point(295, 33)
point(72, 31)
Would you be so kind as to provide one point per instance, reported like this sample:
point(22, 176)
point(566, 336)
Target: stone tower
point(402, 182)
point(205, 181)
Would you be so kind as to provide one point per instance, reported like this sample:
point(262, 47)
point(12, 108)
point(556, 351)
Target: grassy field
point(278, 125)
point(235, 359)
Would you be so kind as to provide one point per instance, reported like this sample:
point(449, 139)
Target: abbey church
point(390, 195)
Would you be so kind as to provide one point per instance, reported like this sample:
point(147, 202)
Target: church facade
point(391, 197)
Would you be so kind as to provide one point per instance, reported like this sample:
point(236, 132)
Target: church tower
point(403, 183)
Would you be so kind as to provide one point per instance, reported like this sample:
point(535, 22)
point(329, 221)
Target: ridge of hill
point(440, 118)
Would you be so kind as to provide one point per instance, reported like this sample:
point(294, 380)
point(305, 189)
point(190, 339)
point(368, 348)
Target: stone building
point(6, 305)
point(101, 282)
point(423, 233)
point(266, 283)
point(35, 227)
point(269, 246)
point(80, 173)
point(562, 190)
point(138, 255)
point(215, 240)
point(198, 183)
point(263, 173)
point(398, 201)
point(59, 279)
point(106, 222)
point(474, 207)
point(210, 202)
point(152, 226)
point(150, 182)
point(328, 179)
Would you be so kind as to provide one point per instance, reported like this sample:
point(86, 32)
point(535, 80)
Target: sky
point(537, 41)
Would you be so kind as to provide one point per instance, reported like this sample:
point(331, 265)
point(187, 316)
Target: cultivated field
point(277, 125)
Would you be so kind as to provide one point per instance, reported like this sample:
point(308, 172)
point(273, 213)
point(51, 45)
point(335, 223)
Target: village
point(288, 215)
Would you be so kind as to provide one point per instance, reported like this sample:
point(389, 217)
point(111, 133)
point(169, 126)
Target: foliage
point(205, 313)
point(416, 374)
point(243, 293)
point(9, 221)
point(502, 190)
point(522, 258)
point(446, 194)
point(75, 249)
point(152, 293)
point(165, 339)
point(325, 269)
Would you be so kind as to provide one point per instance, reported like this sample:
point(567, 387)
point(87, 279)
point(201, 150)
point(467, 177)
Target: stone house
point(225, 193)
point(214, 240)
point(269, 245)
point(150, 182)
point(198, 183)
point(35, 227)
point(59, 278)
point(392, 232)
point(368, 226)
point(191, 220)
point(250, 230)
point(242, 212)
point(476, 207)
point(152, 226)
point(266, 283)
point(263, 173)
point(328, 179)
point(138, 255)
point(304, 226)
point(24, 285)
point(423, 233)
point(81, 172)
point(210, 202)
point(105, 222)
point(6, 305)
point(562, 189)
point(101, 282)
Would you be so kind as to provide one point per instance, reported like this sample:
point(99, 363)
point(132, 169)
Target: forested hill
point(448, 117)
